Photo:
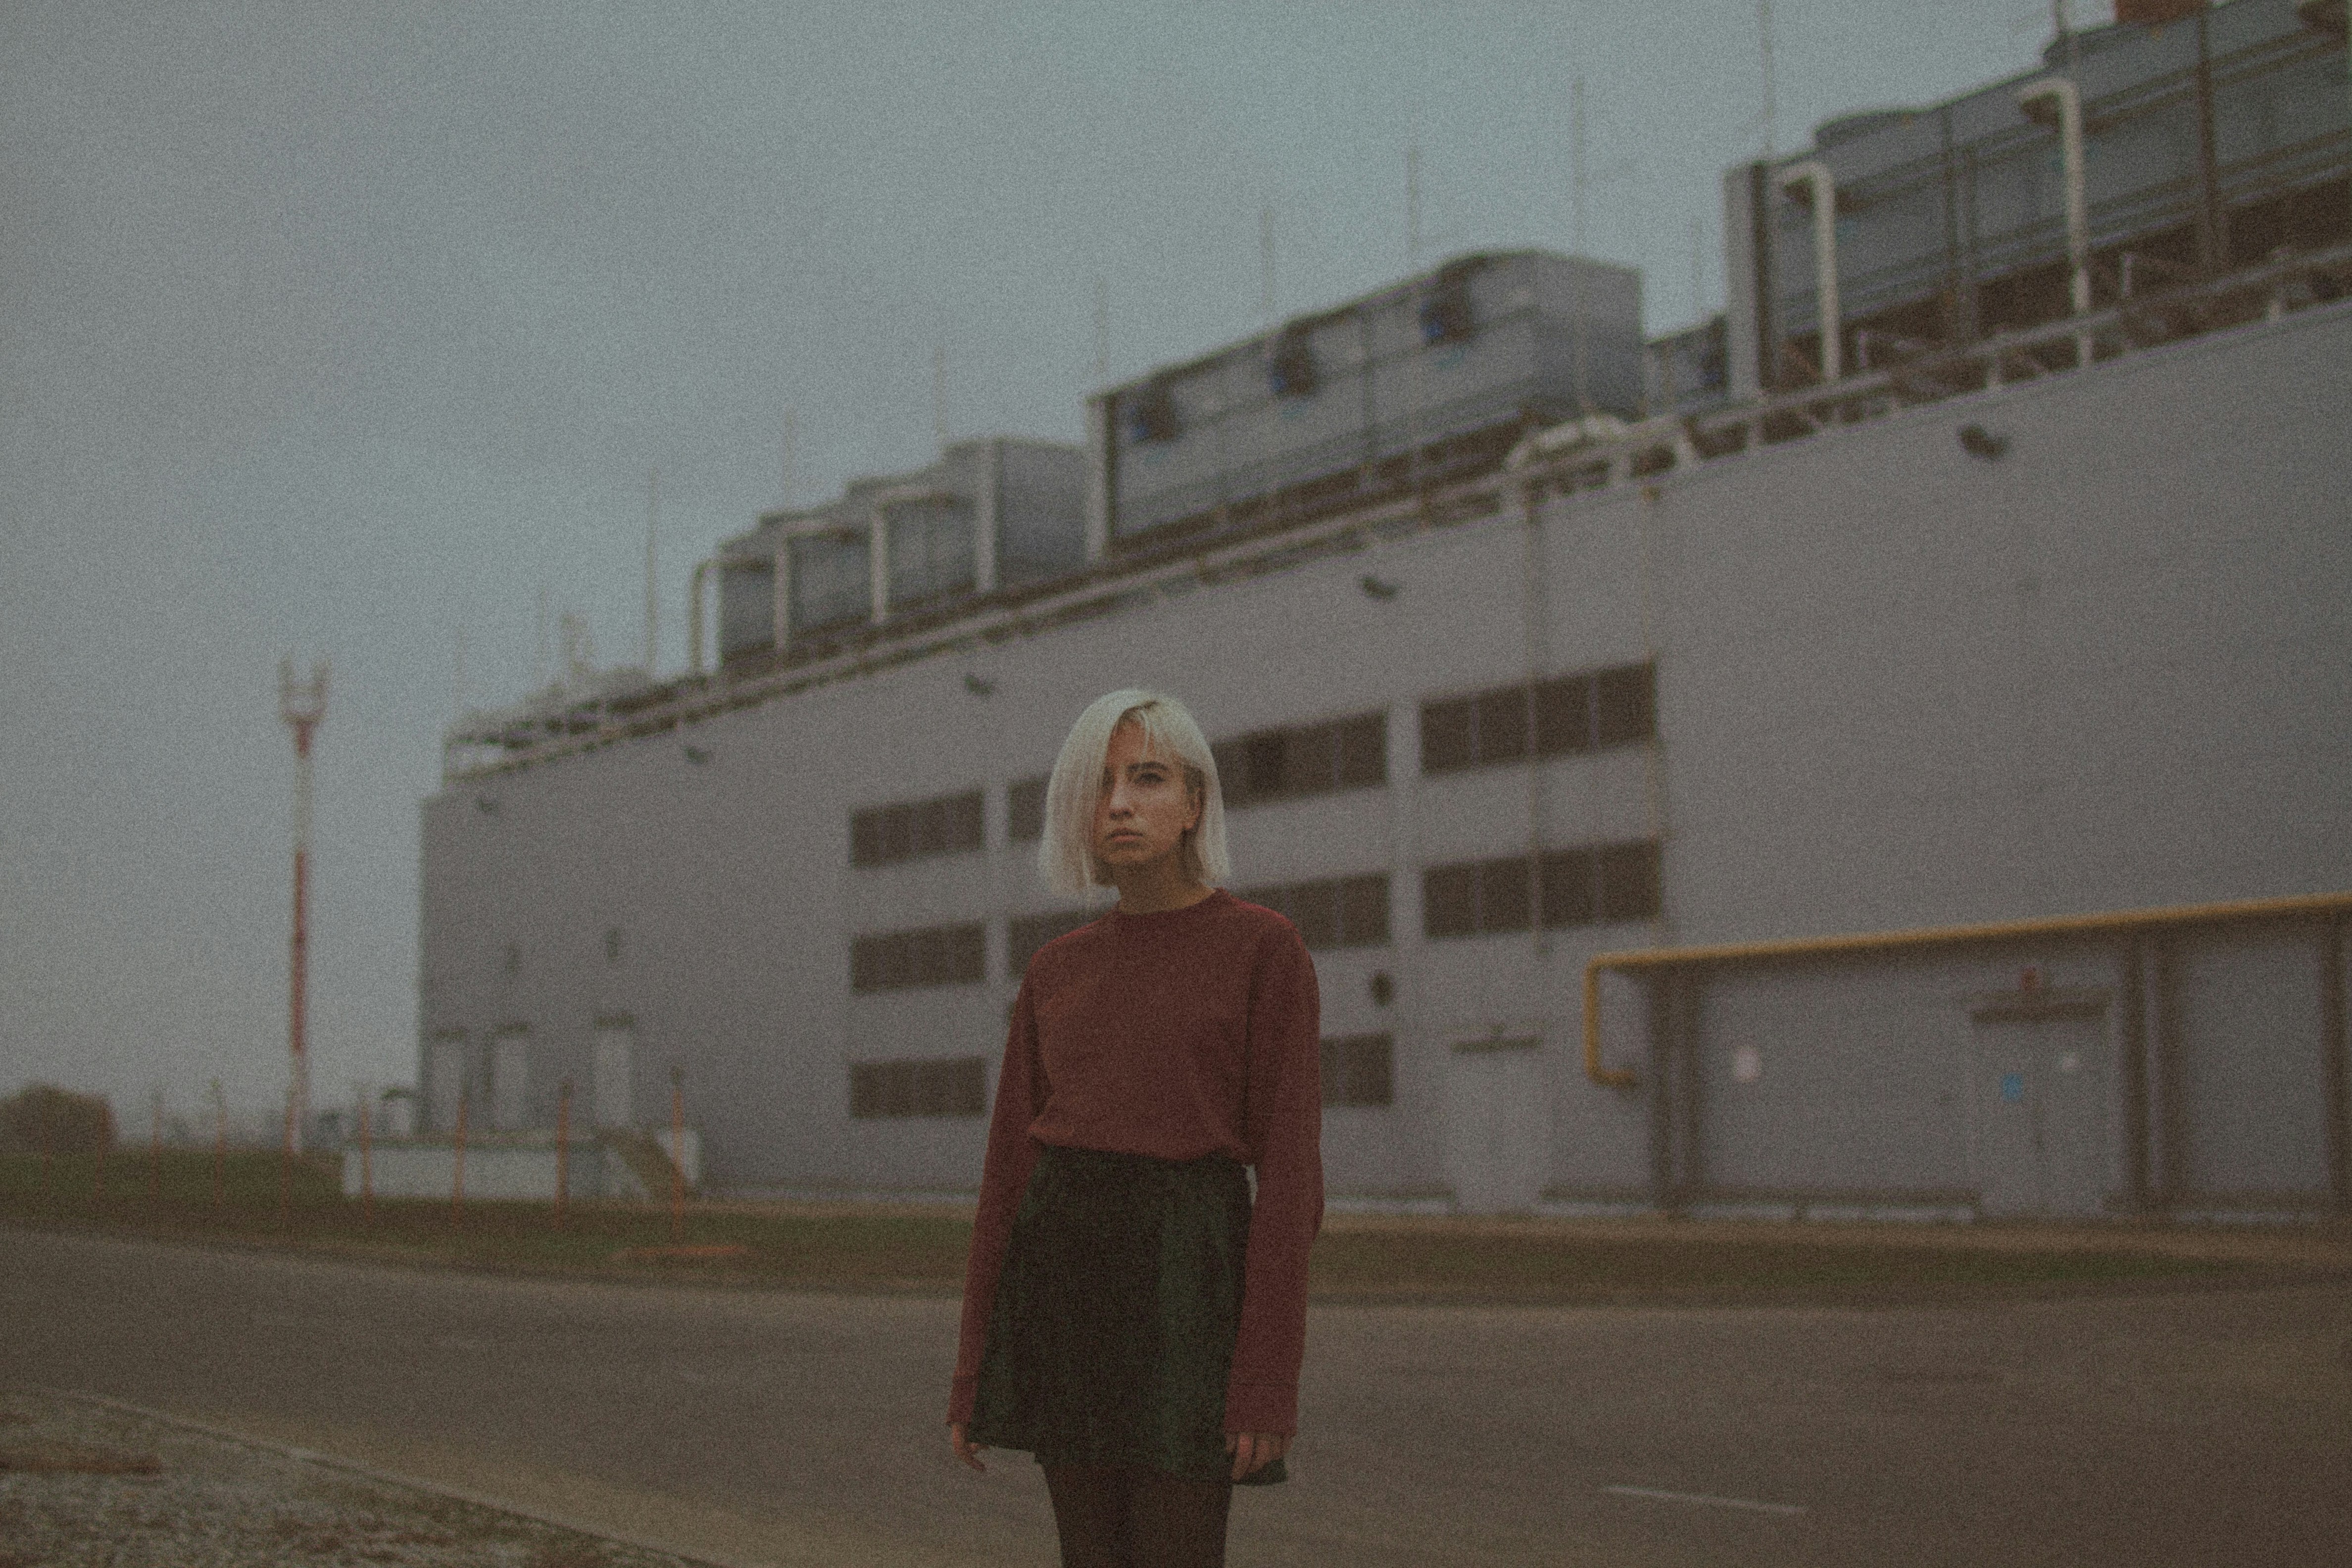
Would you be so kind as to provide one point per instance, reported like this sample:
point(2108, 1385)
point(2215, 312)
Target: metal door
point(510, 1081)
point(616, 1058)
point(445, 1075)
point(2045, 1141)
point(1496, 1125)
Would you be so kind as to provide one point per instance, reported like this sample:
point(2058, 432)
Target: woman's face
point(1145, 807)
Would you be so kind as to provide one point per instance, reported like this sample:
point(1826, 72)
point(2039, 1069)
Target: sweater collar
point(1160, 919)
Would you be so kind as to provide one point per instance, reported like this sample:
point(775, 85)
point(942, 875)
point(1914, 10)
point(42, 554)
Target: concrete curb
point(396, 1478)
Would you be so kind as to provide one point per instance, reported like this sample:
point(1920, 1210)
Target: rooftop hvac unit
point(1151, 411)
point(1290, 367)
point(2156, 12)
point(1426, 381)
point(1447, 316)
point(2205, 145)
point(989, 516)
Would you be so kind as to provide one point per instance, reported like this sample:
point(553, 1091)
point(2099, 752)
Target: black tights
point(1116, 1516)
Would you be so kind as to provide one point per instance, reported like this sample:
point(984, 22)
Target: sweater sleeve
point(1004, 1175)
point(1284, 1129)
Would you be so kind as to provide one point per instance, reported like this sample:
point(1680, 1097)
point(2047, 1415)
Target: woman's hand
point(965, 1448)
point(1252, 1450)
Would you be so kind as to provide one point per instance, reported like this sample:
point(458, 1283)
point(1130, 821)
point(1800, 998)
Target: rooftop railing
point(1902, 375)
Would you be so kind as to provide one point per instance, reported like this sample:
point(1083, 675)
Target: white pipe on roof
point(2078, 211)
point(877, 534)
point(781, 606)
point(1814, 174)
point(984, 518)
point(694, 614)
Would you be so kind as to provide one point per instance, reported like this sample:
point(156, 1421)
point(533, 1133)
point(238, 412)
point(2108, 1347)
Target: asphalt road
point(2200, 1427)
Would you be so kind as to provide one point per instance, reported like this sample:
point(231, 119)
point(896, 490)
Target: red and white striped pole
point(301, 705)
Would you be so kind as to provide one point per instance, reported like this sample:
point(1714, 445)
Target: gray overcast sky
point(338, 329)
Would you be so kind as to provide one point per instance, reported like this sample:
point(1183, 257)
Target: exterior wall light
point(1978, 442)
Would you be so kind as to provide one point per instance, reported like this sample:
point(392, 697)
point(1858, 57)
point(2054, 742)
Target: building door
point(445, 1080)
point(1497, 1128)
point(510, 1081)
point(2045, 1143)
point(617, 1066)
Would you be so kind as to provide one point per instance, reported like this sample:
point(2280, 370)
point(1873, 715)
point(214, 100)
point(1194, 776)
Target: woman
point(1128, 1316)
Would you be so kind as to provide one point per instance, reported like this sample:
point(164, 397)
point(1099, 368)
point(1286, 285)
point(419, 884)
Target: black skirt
point(1112, 1333)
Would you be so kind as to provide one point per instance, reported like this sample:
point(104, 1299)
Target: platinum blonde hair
point(1065, 856)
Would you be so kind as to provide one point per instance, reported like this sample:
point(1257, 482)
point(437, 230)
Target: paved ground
point(2198, 1426)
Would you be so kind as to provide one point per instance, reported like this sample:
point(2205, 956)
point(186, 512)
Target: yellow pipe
point(1924, 936)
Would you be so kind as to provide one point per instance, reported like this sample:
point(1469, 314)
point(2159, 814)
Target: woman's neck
point(1158, 889)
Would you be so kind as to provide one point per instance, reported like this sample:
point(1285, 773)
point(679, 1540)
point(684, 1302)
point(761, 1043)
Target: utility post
point(677, 1155)
point(301, 705)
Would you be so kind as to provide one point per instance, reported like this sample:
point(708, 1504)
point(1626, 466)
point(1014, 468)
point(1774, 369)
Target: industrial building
point(1897, 769)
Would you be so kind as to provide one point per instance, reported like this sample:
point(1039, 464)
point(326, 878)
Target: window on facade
point(1304, 759)
point(903, 960)
point(1505, 902)
point(1024, 811)
point(1360, 1070)
point(1568, 893)
point(955, 1086)
point(1449, 735)
point(1476, 897)
point(1566, 714)
point(1624, 705)
point(1596, 884)
point(884, 835)
point(1502, 724)
point(1025, 934)
point(1629, 878)
point(1449, 901)
point(1339, 911)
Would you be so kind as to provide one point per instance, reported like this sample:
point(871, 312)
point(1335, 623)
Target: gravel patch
point(86, 1483)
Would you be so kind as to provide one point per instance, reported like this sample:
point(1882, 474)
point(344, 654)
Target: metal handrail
point(2108, 923)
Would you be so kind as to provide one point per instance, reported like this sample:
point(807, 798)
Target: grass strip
point(924, 1250)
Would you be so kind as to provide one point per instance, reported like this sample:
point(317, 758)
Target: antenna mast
point(939, 397)
point(1413, 208)
point(1577, 244)
point(301, 705)
point(653, 574)
point(1699, 266)
point(1265, 259)
point(1102, 330)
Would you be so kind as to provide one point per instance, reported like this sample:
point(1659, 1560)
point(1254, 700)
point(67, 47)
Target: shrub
point(45, 1116)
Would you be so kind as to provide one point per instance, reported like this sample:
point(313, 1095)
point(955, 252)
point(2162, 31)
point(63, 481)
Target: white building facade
point(2045, 623)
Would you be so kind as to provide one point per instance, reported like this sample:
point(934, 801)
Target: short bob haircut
point(1065, 857)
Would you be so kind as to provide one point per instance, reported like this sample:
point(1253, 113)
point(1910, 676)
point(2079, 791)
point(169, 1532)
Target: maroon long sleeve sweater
point(1185, 1033)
